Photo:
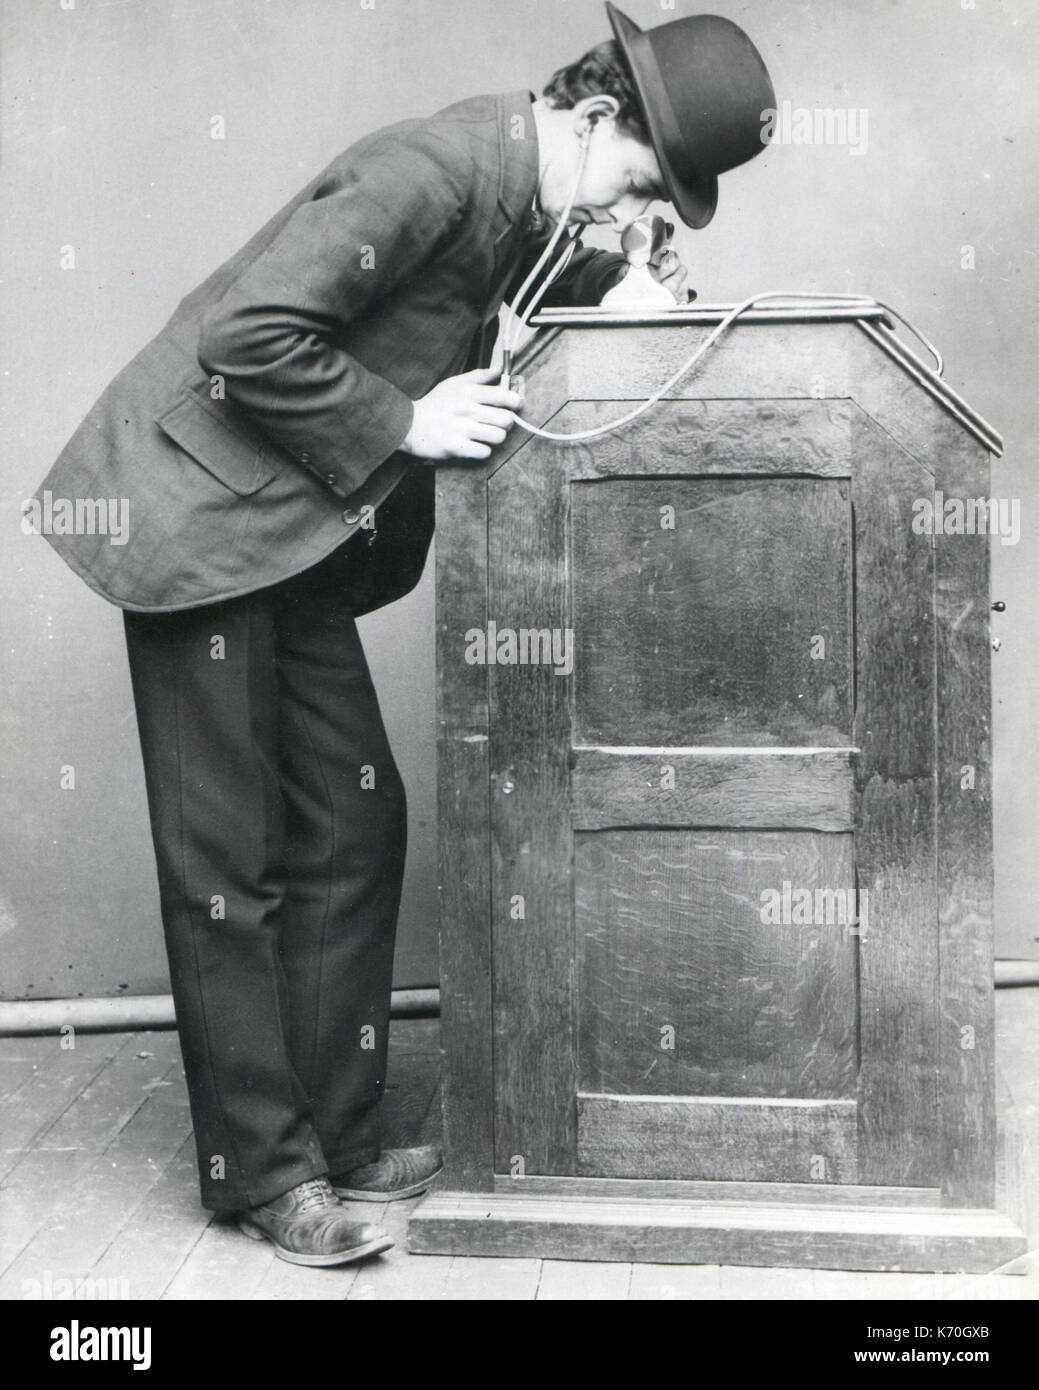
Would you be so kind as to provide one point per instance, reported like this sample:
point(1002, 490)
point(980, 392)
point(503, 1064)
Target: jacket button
point(331, 479)
point(304, 458)
point(351, 517)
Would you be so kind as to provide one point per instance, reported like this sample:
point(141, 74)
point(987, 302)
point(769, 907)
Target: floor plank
point(99, 1182)
point(223, 1265)
point(297, 1283)
point(29, 1197)
point(753, 1282)
point(43, 1177)
point(151, 1246)
point(397, 1275)
point(402, 1277)
point(109, 1101)
point(583, 1281)
point(491, 1279)
point(663, 1283)
point(20, 1059)
point(35, 1046)
point(27, 1115)
point(80, 1226)
point(1012, 1287)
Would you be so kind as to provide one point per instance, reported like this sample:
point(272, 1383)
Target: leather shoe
point(308, 1225)
point(395, 1173)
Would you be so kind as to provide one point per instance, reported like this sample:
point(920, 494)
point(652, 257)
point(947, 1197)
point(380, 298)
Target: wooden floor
point(98, 1195)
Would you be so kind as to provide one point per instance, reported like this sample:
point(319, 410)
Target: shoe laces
point(314, 1192)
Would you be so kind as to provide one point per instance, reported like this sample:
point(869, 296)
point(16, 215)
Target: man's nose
point(626, 210)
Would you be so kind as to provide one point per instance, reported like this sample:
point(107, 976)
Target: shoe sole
point(359, 1194)
point(344, 1257)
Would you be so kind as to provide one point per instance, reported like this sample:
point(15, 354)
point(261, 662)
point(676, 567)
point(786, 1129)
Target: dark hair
point(602, 70)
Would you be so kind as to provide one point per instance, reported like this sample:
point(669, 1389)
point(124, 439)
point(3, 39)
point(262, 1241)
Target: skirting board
point(910, 1240)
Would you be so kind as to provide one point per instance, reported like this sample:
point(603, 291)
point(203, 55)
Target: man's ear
point(590, 110)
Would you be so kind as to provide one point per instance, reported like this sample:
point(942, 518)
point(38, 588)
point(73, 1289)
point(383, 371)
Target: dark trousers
point(279, 824)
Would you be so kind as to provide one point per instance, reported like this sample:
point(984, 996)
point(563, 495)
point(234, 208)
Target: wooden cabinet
point(714, 812)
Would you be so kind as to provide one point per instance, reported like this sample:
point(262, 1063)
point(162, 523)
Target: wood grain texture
point(463, 837)
point(164, 1229)
point(750, 362)
point(705, 633)
point(925, 374)
point(97, 1162)
point(757, 465)
point(578, 1281)
point(722, 1190)
point(873, 1238)
point(966, 1037)
point(60, 1078)
point(20, 1061)
point(684, 990)
point(895, 842)
point(221, 1267)
point(530, 824)
point(709, 438)
point(412, 1082)
point(889, 396)
point(609, 787)
point(694, 1137)
point(463, 793)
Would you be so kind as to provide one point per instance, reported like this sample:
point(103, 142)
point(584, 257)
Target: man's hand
point(462, 418)
point(671, 273)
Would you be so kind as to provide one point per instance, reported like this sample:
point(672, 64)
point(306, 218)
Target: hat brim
point(694, 197)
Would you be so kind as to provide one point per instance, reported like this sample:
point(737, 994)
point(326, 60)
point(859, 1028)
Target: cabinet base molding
point(916, 1239)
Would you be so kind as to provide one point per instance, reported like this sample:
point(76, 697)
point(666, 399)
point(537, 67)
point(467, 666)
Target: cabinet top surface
point(872, 318)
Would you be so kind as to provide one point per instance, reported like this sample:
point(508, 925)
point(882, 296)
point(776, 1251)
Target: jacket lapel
point(517, 184)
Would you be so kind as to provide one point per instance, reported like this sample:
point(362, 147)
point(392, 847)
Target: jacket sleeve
point(588, 276)
point(272, 337)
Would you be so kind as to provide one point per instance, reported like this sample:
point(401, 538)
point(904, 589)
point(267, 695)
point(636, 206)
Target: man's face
point(621, 178)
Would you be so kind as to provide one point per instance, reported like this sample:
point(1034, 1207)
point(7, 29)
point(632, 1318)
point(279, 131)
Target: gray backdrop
point(107, 148)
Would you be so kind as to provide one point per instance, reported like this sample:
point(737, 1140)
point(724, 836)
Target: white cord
point(939, 363)
point(516, 324)
point(690, 362)
point(520, 321)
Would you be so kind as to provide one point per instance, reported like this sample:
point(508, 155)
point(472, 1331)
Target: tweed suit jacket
point(248, 436)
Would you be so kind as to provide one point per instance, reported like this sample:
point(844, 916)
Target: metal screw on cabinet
point(508, 787)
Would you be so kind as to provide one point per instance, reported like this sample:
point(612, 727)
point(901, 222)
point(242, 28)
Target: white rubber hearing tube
point(515, 326)
point(709, 342)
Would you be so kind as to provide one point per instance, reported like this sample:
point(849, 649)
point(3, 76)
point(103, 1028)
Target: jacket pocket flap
point(242, 465)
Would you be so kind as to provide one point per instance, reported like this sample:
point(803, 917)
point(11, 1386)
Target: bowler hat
point(703, 88)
